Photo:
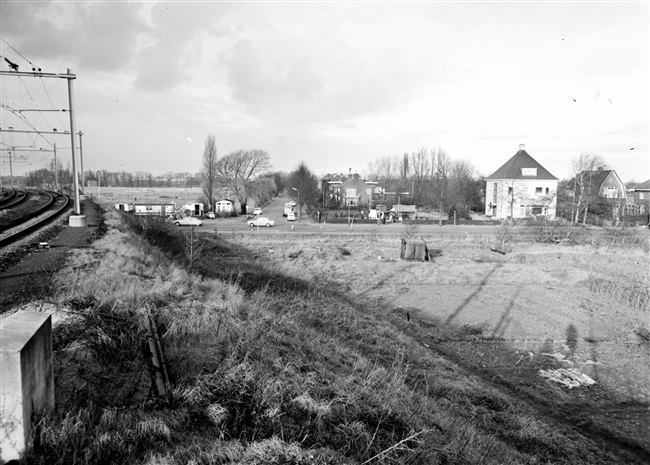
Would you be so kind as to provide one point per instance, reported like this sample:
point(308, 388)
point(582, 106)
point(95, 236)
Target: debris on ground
point(559, 357)
point(568, 377)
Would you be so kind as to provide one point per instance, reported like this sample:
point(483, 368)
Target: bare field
point(113, 195)
point(537, 299)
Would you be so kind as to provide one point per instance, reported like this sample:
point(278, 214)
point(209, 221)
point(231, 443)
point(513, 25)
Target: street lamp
point(298, 191)
point(99, 188)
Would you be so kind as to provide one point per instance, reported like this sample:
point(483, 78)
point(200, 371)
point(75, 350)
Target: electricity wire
point(20, 54)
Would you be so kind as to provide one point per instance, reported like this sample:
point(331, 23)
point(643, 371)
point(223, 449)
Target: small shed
point(414, 249)
point(225, 206)
point(124, 207)
point(193, 209)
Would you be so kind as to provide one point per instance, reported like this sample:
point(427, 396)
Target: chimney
point(522, 147)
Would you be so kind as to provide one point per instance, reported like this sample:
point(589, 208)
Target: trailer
point(164, 210)
point(123, 207)
point(193, 209)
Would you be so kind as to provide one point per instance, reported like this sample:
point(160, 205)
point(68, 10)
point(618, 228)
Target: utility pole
point(56, 172)
point(77, 205)
point(77, 219)
point(14, 150)
point(11, 171)
point(81, 160)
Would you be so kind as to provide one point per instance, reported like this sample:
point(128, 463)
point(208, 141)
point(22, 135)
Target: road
point(306, 225)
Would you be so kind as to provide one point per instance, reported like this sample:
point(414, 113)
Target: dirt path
point(520, 314)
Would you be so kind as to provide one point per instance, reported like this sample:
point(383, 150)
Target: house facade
point(590, 185)
point(521, 188)
point(637, 201)
point(224, 206)
point(348, 191)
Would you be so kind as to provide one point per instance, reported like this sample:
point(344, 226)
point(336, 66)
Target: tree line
point(428, 178)
point(60, 176)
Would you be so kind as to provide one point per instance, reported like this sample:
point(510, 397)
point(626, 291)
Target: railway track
point(13, 198)
point(25, 219)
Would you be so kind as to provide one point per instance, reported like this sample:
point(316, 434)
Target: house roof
point(512, 168)
point(598, 177)
point(644, 186)
point(403, 208)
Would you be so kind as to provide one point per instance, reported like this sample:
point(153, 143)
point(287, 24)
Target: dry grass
point(289, 357)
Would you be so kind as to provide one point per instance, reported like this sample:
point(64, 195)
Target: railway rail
point(13, 198)
point(27, 221)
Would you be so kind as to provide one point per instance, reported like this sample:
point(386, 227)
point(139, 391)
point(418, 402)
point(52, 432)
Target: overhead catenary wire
point(34, 67)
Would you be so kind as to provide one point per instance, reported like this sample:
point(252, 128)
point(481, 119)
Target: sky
point(335, 85)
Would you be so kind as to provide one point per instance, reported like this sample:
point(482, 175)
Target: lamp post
point(298, 191)
point(99, 187)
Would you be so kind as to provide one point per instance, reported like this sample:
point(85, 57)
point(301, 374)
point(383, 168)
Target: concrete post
point(26, 379)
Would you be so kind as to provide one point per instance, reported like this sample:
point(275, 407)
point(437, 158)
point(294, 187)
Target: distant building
point(521, 188)
point(224, 206)
point(638, 199)
point(592, 184)
point(348, 191)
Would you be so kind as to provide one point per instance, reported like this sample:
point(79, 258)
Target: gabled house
point(224, 206)
point(591, 185)
point(638, 199)
point(521, 188)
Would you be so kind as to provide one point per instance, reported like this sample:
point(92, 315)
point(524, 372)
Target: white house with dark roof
point(521, 188)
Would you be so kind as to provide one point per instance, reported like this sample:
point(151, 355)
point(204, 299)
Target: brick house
point(637, 200)
point(521, 188)
point(348, 191)
point(604, 184)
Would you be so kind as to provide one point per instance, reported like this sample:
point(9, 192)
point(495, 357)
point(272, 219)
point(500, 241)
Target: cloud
point(98, 36)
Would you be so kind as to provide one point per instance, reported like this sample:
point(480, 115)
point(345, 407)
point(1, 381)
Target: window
point(611, 192)
point(537, 210)
point(529, 171)
point(640, 195)
point(548, 191)
point(538, 190)
point(350, 192)
point(351, 202)
point(509, 189)
point(494, 193)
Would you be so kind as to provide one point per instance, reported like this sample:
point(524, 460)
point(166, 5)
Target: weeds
point(265, 367)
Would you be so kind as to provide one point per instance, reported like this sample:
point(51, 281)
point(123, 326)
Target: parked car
point(257, 211)
point(210, 215)
point(188, 221)
point(291, 216)
point(261, 221)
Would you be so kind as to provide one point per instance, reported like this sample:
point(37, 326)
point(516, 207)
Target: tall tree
point(303, 186)
point(209, 170)
point(238, 169)
point(263, 189)
point(441, 181)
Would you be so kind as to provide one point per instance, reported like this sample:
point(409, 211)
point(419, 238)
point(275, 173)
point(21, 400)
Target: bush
point(462, 213)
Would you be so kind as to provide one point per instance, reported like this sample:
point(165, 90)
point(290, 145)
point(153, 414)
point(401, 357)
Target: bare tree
point(583, 168)
point(263, 189)
point(209, 170)
point(238, 169)
point(462, 186)
point(422, 163)
point(441, 181)
point(303, 186)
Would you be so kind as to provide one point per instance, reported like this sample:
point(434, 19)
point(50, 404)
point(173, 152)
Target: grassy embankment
point(268, 364)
